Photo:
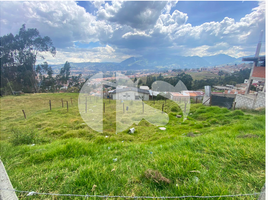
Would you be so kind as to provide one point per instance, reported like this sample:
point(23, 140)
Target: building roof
point(193, 93)
point(258, 72)
point(130, 89)
point(144, 87)
point(177, 94)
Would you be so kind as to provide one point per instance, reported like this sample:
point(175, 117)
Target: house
point(196, 96)
point(179, 97)
point(130, 93)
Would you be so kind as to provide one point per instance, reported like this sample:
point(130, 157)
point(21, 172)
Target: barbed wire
point(30, 193)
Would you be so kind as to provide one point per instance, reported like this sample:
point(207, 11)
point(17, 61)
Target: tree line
point(18, 56)
point(225, 78)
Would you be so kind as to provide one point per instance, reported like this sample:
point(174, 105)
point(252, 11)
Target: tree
point(220, 73)
point(47, 82)
point(186, 79)
point(64, 75)
point(18, 55)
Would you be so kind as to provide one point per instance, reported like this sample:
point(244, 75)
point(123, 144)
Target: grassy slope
point(202, 75)
point(227, 156)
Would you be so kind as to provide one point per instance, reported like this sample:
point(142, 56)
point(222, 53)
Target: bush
point(175, 109)
point(20, 137)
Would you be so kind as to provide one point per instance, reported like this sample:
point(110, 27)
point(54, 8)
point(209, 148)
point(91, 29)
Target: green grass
point(202, 75)
point(215, 151)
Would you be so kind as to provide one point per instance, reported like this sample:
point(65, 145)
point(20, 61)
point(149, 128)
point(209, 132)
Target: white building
point(144, 87)
point(130, 93)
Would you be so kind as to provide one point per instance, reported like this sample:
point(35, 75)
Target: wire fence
point(31, 193)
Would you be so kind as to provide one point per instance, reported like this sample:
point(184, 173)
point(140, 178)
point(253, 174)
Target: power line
point(30, 193)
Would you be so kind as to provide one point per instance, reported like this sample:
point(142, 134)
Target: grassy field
point(202, 75)
point(214, 152)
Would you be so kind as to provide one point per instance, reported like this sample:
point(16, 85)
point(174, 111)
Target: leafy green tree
point(64, 75)
point(18, 55)
point(47, 82)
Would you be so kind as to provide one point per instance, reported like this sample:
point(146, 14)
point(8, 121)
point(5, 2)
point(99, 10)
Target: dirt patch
point(191, 134)
point(156, 176)
point(248, 136)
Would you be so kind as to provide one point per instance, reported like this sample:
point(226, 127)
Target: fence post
point(67, 106)
point(24, 114)
point(234, 105)
point(86, 105)
point(50, 104)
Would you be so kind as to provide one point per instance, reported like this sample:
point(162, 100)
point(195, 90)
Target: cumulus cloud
point(136, 14)
point(131, 28)
point(63, 22)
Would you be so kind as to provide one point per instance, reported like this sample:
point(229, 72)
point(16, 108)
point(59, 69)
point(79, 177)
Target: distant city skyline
point(114, 31)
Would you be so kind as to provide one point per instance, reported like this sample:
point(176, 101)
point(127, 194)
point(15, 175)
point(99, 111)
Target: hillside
point(214, 152)
point(155, 62)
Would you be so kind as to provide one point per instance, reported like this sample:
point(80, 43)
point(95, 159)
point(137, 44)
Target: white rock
point(132, 130)
point(162, 128)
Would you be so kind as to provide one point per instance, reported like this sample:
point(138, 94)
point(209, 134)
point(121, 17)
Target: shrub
point(175, 109)
point(20, 137)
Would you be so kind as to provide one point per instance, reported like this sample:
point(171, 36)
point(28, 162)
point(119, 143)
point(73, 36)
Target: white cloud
point(131, 28)
point(63, 22)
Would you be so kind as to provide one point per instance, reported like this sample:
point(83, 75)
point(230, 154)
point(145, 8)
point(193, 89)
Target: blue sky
point(102, 31)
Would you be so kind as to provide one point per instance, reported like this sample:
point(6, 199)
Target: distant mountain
point(154, 62)
point(220, 59)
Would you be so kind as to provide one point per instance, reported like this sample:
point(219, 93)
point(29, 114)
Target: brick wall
point(260, 100)
point(243, 101)
point(250, 102)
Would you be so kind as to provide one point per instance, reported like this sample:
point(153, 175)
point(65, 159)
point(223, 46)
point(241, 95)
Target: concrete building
point(144, 88)
point(130, 93)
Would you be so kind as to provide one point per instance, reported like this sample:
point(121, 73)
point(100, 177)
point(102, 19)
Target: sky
point(112, 31)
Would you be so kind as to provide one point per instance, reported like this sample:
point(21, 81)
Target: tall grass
point(215, 151)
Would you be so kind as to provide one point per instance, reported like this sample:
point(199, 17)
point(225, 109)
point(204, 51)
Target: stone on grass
point(132, 130)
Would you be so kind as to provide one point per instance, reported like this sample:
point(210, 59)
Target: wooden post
point(162, 108)
point(234, 105)
point(62, 102)
point(67, 106)
point(50, 104)
point(103, 107)
point(123, 108)
point(86, 105)
point(24, 114)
